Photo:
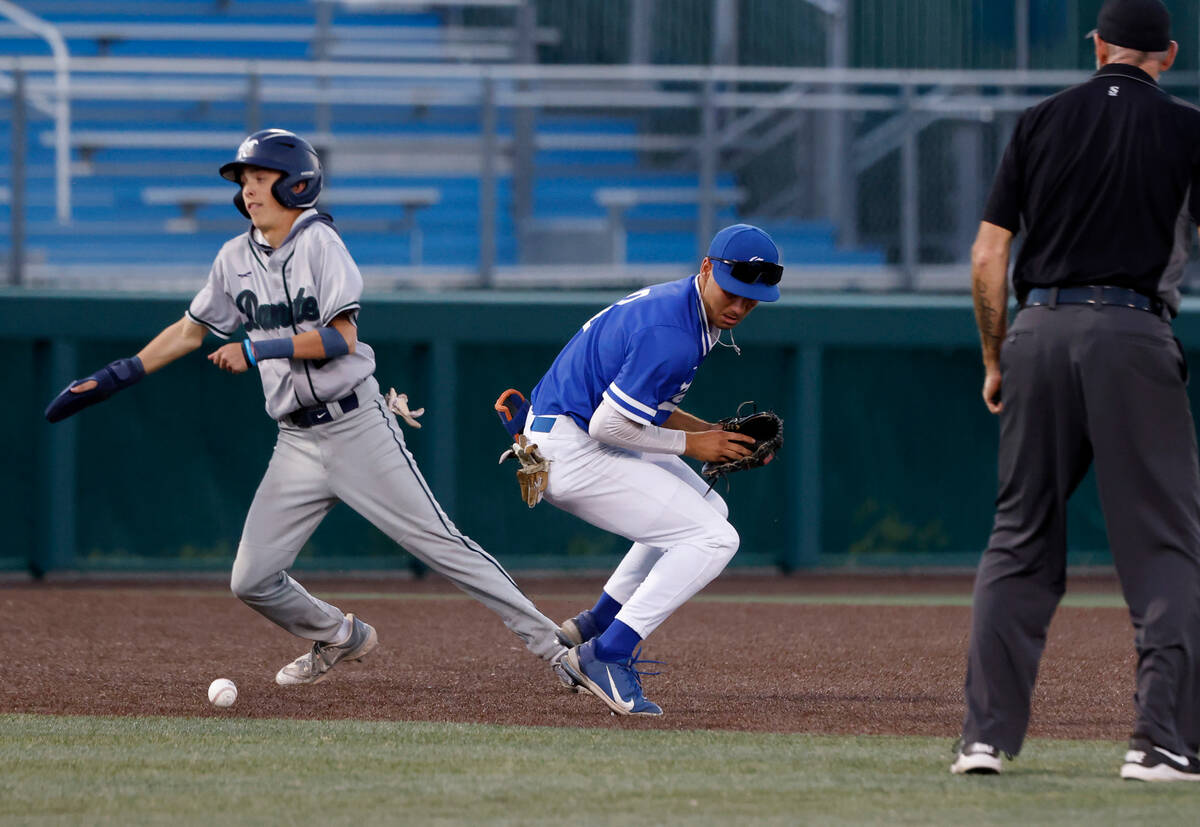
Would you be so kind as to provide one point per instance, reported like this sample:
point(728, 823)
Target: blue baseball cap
point(745, 262)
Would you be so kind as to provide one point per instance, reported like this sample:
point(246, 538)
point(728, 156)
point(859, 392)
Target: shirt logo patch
point(1113, 91)
point(245, 274)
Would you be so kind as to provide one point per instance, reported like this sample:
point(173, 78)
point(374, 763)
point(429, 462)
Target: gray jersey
point(302, 285)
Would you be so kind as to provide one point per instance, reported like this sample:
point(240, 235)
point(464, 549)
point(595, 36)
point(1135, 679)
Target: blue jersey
point(641, 354)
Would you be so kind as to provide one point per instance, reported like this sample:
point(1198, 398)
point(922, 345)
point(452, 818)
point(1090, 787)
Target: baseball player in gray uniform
point(290, 282)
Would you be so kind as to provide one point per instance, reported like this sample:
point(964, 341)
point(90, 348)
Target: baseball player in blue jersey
point(291, 284)
point(606, 417)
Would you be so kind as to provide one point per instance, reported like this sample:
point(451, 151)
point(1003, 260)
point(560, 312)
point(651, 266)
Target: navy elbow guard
point(109, 379)
point(334, 342)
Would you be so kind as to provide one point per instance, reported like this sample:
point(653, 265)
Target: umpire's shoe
point(314, 666)
point(618, 684)
point(578, 630)
point(1147, 762)
point(977, 759)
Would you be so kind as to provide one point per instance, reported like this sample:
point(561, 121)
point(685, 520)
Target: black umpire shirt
point(1102, 178)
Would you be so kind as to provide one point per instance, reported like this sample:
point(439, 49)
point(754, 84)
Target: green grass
point(226, 770)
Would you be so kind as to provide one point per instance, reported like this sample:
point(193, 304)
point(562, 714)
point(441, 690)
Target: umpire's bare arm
point(989, 285)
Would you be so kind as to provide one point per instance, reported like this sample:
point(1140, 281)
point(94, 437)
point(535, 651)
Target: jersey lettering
point(683, 389)
point(645, 291)
point(271, 316)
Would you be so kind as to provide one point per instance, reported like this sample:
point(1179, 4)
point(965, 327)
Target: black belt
point(1093, 294)
point(319, 414)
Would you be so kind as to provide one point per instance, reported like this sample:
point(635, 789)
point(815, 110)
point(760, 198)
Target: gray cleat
point(564, 678)
point(578, 630)
point(314, 666)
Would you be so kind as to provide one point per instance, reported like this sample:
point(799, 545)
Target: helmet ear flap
point(282, 190)
point(240, 203)
point(285, 195)
point(282, 193)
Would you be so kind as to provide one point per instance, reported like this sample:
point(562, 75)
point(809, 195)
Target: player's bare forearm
point(311, 344)
point(680, 420)
point(339, 338)
point(989, 286)
point(175, 341)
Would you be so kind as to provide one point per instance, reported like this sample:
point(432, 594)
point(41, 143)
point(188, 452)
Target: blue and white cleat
point(618, 684)
point(579, 629)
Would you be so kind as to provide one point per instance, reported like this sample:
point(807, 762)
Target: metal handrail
point(601, 74)
point(62, 104)
point(963, 91)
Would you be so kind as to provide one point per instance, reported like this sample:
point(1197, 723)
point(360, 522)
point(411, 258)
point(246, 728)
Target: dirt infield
point(152, 649)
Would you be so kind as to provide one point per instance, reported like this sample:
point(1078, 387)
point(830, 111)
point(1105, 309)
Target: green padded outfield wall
point(160, 477)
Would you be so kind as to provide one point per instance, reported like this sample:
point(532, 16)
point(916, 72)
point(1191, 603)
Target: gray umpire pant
point(1084, 383)
point(360, 459)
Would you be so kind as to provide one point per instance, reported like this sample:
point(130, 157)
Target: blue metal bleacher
point(117, 157)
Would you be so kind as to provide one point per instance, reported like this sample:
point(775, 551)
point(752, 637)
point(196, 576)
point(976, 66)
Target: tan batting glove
point(398, 404)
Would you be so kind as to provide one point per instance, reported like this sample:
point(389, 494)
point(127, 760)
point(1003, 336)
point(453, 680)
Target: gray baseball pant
point(360, 459)
point(1084, 383)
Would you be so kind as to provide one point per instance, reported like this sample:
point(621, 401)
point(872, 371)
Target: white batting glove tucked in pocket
point(398, 404)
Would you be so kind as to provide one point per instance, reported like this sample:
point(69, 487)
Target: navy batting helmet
point(286, 152)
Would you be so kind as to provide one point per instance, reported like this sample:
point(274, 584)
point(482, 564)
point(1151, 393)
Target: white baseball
point(222, 692)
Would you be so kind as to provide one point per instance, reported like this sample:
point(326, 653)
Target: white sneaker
point(1146, 762)
point(977, 759)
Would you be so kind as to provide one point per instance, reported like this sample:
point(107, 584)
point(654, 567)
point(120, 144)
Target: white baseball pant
point(681, 537)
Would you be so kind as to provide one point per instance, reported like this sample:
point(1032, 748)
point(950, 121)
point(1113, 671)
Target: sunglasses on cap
point(753, 272)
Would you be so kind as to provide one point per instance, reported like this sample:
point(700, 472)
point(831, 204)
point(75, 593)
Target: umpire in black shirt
point(1103, 179)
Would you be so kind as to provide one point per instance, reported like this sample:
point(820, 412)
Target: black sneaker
point(1146, 762)
point(977, 759)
